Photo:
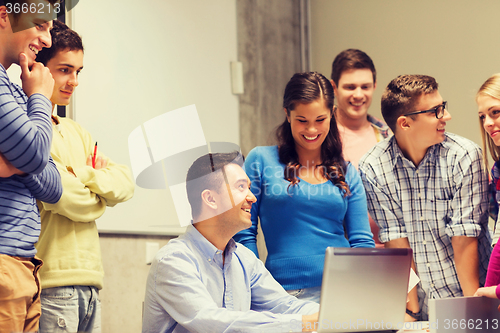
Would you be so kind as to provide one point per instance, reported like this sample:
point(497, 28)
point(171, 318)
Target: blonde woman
point(488, 101)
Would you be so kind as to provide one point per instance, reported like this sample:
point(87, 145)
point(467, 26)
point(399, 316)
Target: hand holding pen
point(97, 162)
point(95, 155)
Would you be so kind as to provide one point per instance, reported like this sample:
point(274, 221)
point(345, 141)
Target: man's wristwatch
point(413, 314)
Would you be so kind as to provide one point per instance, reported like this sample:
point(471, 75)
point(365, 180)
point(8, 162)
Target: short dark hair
point(207, 173)
point(351, 59)
point(402, 94)
point(63, 38)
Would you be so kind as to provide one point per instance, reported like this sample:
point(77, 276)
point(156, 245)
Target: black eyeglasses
point(438, 111)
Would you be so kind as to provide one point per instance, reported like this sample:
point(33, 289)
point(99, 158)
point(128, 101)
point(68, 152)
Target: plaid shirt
point(382, 131)
point(445, 196)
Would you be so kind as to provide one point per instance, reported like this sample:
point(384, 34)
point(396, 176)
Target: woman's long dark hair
point(305, 88)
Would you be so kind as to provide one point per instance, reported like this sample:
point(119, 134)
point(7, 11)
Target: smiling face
point(65, 67)
point(28, 34)
point(354, 93)
point(235, 199)
point(489, 113)
point(310, 124)
point(425, 127)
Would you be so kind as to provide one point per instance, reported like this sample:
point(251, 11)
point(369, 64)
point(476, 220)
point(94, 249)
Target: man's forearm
point(466, 263)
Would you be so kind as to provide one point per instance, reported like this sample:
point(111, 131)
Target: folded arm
point(45, 186)
point(25, 137)
point(87, 191)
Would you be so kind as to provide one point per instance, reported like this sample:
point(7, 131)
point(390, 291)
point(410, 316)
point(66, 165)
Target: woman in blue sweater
point(306, 193)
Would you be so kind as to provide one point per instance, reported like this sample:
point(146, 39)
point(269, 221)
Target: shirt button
point(424, 242)
point(428, 265)
point(432, 285)
point(419, 195)
point(421, 218)
point(209, 259)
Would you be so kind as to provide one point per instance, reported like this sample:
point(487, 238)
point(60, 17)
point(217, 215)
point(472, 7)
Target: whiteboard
point(143, 59)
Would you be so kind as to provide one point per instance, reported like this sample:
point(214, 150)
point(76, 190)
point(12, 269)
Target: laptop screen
point(464, 315)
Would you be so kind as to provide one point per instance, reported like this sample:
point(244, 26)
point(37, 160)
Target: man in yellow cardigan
point(72, 274)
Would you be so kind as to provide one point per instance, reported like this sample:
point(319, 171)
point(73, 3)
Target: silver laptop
point(364, 290)
point(464, 315)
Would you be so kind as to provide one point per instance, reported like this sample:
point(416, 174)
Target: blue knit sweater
point(300, 224)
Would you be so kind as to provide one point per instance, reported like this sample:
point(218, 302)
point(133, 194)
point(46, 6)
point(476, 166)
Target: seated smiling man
point(204, 281)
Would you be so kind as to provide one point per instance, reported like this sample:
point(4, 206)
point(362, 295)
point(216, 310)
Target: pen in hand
point(95, 155)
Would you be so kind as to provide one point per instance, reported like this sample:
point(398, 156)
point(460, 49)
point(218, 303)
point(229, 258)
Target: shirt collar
point(429, 157)
point(209, 251)
point(377, 123)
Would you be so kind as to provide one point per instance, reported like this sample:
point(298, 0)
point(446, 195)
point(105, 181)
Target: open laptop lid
point(364, 289)
point(464, 315)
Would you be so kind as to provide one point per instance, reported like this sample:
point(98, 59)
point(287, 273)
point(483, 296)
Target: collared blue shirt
point(445, 196)
point(189, 289)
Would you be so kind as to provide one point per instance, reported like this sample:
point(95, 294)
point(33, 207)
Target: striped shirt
point(445, 196)
point(25, 138)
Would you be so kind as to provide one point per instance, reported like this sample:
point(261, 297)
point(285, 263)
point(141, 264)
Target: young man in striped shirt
point(26, 170)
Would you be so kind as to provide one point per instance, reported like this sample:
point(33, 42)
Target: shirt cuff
point(388, 236)
point(468, 230)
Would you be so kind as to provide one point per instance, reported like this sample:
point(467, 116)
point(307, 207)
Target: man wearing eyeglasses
point(427, 190)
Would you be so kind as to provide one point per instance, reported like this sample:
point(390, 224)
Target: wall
point(125, 278)
point(456, 41)
point(269, 46)
point(143, 59)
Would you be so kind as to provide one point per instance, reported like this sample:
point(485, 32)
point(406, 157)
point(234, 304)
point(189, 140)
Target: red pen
point(95, 155)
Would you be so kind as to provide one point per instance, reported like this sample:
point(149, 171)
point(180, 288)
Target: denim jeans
point(307, 294)
point(70, 309)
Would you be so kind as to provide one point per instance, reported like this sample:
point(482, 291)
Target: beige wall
point(145, 58)
point(456, 41)
point(125, 278)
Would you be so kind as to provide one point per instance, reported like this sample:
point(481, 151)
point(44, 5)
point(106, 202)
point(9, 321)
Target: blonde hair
point(490, 87)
